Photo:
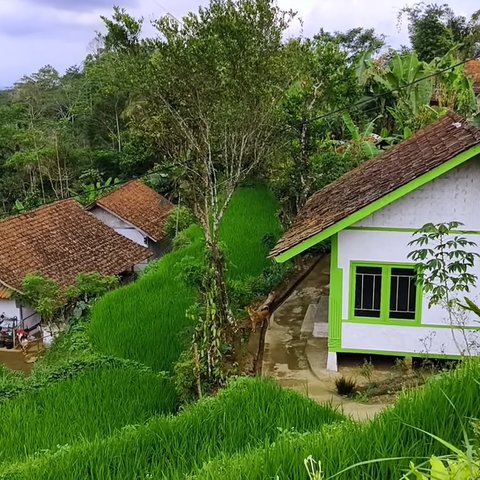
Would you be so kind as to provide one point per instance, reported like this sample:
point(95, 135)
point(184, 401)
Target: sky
point(34, 33)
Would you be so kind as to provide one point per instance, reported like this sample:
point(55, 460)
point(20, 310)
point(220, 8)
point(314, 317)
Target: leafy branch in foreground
point(444, 262)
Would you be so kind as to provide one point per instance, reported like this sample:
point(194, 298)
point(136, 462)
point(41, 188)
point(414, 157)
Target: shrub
point(178, 220)
point(345, 386)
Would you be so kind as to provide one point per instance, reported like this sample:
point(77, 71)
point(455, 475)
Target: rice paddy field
point(145, 321)
point(445, 407)
point(98, 407)
point(171, 447)
point(255, 430)
point(94, 404)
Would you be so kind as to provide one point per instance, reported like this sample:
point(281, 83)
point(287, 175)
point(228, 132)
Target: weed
point(345, 386)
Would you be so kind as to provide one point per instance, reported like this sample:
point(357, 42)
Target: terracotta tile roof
point(60, 241)
point(139, 205)
point(427, 149)
point(5, 293)
point(472, 69)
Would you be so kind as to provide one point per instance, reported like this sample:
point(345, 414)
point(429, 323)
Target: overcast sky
point(34, 33)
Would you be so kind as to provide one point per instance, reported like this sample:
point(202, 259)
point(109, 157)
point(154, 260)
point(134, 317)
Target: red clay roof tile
point(61, 240)
point(140, 206)
point(427, 149)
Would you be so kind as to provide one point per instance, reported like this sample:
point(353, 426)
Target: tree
point(435, 29)
point(324, 80)
point(209, 104)
point(354, 42)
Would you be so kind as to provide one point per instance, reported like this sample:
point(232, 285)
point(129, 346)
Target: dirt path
point(297, 360)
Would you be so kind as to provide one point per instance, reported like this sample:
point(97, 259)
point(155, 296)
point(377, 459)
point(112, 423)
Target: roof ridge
point(450, 137)
point(36, 209)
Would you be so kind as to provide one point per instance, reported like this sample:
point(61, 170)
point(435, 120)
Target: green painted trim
point(407, 230)
point(335, 299)
point(401, 323)
point(401, 354)
point(384, 296)
point(380, 203)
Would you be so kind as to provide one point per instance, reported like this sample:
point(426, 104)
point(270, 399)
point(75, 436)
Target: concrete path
point(296, 359)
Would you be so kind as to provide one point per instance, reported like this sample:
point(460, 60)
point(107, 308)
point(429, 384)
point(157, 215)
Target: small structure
point(370, 214)
point(472, 70)
point(59, 241)
point(137, 212)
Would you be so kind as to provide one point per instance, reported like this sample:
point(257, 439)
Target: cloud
point(82, 5)
point(58, 32)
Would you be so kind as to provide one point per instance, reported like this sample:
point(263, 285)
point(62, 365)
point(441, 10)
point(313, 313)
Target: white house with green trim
point(370, 214)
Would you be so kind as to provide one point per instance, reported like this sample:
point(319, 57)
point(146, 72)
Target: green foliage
point(43, 295)
point(89, 286)
point(146, 321)
point(93, 403)
point(173, 447)
point(444, 261)
point(435, 29)
point(178, 220)
point(91, 191)
point(437, 408)
point(251, 215)
point(53, 303)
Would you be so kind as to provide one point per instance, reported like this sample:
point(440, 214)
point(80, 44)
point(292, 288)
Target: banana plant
point(361, 140)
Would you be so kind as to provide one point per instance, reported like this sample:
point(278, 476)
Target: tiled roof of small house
point(5, 293)
point(372, 180)
point(61, 240)
point(140, 206)
point(472, 69)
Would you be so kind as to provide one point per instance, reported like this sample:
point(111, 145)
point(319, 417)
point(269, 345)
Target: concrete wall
point(121, 227)
point(8, 308)
point(31, 318)
point(454, 196)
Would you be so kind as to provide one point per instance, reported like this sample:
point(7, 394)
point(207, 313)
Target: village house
point(137, 212)
point(370, 214)
point(59, 241)
point(472, 70)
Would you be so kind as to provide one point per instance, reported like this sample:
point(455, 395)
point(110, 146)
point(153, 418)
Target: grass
point(439, 408)
point(145, 321)
point(91, 405)
point(251, 216)
point(247, 413)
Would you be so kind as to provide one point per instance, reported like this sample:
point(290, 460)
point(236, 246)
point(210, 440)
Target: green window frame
point(383, 279)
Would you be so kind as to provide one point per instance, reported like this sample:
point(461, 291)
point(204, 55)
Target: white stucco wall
point(382, 247)
point(8, 308)
point(454, 196)
point(420, 340)
point(121, 227)
point(31, 318)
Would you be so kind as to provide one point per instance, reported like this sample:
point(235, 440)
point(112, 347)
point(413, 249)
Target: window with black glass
point(403, 293)
point(385, 292)
point(368, 291)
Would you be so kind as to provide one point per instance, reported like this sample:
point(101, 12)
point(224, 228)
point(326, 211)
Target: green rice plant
point(251, 217)
point(146, 320)
point(91, 405)
point(437, 409)
point(248, 413)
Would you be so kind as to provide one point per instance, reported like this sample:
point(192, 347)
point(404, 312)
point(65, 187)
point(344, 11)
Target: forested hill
point(133, 106)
